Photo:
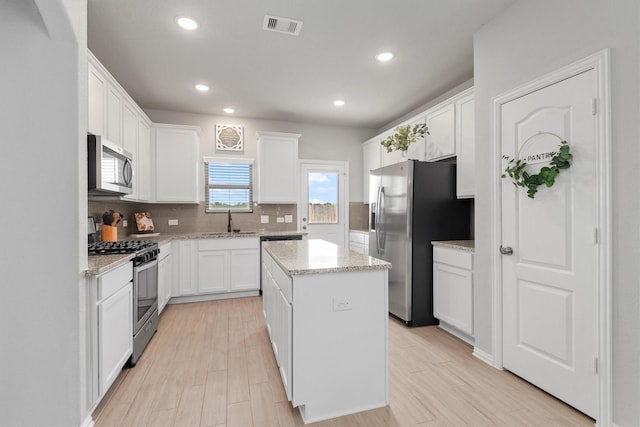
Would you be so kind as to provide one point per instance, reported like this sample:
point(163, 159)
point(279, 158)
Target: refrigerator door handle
point(379, 220)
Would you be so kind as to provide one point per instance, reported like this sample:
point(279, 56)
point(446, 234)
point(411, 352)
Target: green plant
point(547, 175)
point(404, 136)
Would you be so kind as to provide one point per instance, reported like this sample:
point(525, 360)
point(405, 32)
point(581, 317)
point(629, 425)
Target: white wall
point(40, 136)
point(530, 39)
point(317, 142)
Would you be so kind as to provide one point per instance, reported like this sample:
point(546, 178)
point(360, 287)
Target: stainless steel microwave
point(110, 168)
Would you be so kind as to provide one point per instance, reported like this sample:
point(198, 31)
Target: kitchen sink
point(227, 233)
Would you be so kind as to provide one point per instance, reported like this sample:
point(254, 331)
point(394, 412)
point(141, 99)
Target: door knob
point(506, 250)
point(304, 219)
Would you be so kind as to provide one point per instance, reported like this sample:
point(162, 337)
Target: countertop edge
point(462, 245)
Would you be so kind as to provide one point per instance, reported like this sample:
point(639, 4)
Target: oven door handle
point(145, 266)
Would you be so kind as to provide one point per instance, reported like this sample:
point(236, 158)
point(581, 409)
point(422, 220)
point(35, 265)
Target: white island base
point(328, 326)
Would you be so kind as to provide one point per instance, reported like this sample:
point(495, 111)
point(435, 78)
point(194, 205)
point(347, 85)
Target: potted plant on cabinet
point(404, 136)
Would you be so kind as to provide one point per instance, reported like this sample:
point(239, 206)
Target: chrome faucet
point(229, 221)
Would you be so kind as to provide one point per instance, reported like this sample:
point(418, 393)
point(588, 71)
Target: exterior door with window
point(323, 201)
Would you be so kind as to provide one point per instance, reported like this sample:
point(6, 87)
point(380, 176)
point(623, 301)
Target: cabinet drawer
point(457, 258)
point(283, 281)
point(229, 243)
point(110, 282)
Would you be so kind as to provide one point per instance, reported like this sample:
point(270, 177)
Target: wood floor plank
point(239, 414)
point(211, 364)
point(189, 410)
point(214, 409)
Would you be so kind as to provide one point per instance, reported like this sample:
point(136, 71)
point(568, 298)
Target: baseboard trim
point(484, 356)
point(457, 333)
point(88, 422)
point(212, 297)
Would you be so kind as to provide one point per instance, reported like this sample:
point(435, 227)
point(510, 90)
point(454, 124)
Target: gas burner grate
point(122, 247)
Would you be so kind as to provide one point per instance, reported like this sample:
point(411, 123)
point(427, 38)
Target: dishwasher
point(275, 238)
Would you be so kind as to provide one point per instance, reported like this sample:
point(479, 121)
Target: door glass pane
point(323, 197)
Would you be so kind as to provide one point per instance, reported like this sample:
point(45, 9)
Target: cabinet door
point(213, 271)
point(277, 167)
point(417, 150)
point(371, 159)
point(143, 165)
point(285, 319)
point(244, 270)
point(187, 279)
point(130, 143)
point(164, 282)
point(465, 147)
point(441, 141)
point(115, 335)
point(114, 115)
point(453, 296)
point(97, 89)
point(177, 165)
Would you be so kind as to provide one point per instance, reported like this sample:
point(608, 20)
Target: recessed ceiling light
point(186, 23)
point(384, 56)
point(338, 102)
point(229, 110)
point(202, 88)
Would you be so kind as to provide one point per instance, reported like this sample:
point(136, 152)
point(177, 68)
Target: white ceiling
point(273, 76)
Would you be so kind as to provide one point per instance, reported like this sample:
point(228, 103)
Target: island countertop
point(315, 256)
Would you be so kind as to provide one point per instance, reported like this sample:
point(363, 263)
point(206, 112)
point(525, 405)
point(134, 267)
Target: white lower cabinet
point(110, 335)
point(359, 241)
point(453, 288)
point(217, 268)
point(165, 276)
point(332, 359)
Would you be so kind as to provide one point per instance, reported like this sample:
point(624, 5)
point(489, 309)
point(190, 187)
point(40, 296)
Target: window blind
point(229, 186)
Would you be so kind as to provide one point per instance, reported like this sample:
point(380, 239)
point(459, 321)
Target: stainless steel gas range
point(145, 287)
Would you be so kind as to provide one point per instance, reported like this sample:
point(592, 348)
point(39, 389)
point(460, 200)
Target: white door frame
point(599, 62)
point(345, 165)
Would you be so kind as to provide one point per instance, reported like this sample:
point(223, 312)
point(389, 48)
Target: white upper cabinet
point(442, 133)
point(277, 167)
point(371, 159)
point(97, 94)
point(114, 115)
point(176, 163)
point(143, 179)
point(465, 146)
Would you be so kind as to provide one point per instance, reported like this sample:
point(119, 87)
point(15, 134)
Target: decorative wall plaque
point(229, 138)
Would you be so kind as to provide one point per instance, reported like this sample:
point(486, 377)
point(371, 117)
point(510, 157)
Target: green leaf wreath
point(404, 136)
point(547, 175)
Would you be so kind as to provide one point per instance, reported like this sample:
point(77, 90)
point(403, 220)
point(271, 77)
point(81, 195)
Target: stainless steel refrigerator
point(413, 203)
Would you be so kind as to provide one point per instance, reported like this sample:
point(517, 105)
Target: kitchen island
point(326, 310)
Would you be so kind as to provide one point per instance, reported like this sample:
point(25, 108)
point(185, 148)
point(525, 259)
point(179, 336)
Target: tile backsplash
point(192, 218)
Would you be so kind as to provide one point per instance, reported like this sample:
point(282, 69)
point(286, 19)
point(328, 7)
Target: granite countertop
point(298, 257)
point(463, 245)
point(99, 264)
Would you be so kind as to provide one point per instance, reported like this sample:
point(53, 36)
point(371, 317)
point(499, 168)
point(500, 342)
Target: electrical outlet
point(125, 223)
point(280, 219)
point(173, 222)
point(342, 304)
point(264, 219)
point(288, 219)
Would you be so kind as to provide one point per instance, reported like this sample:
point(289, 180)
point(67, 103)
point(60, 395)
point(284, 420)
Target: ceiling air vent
point(282, 25)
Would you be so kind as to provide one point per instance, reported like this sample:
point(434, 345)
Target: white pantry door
point(549, 283)
point(323, 209)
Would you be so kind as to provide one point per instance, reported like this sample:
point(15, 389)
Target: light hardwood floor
point(211, 364)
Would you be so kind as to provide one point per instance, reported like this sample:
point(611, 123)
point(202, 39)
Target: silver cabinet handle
point(506, 250)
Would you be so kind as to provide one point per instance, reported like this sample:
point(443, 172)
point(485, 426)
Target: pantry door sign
point(229, 138)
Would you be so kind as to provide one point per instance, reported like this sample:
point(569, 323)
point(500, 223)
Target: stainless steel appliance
point(273, 238)
point(110, 168)
point(415, 203)
point(145, 287)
